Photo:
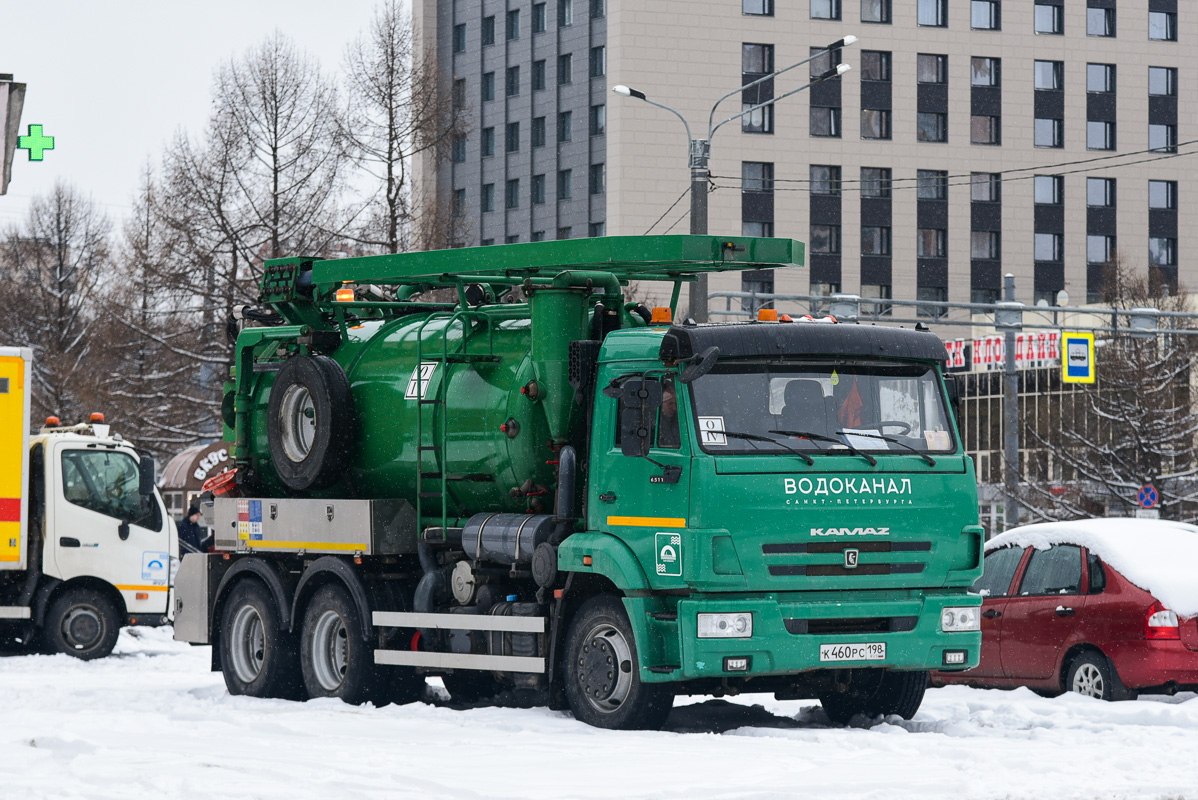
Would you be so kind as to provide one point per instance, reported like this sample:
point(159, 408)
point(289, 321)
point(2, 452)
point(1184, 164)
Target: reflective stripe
point(351, 547)
point(649, 522)
point(129, 588)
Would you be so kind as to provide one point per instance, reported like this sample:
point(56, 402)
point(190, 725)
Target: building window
point(984, 187)
point(756, 59)
point(759, 229)
point(512, 239)
point(875, 65)
point(875, 182)
point(487, 201)
point(983, 296)
point(565, 126)
point(931, 126)
point(875, 240)
point(537, 236)
point(825, 179)
point(488, 86)
point(1049, 190)
point(598, 9)
point(565, 17)
point(756, 281)
point(565, 185)
point(1162, 138)
point(985, 130)
point(458, 149)
point(875, 123)
point(538, 132)
point(875, 291)
point(931, 294)
point(1049, 19)
point(459, 38)
point(538, 190)
point(931, 184)
point(1100, 135)
point(598, 119)
point(875, 11)
point(488, 30)
point(538, 18)
point(1162, 194)
point(1162, 251)
point(1162, 81)
point(597, 229)
point(825, 239)
point(985, 71)
point(931, 68)
point(757, 8)
point(565, 232)
point(565, 69)
point(824, 121)
point(1100, 78)
point(931, 243)
point(487, 142)
point(1162, 26)
point(512, 84)
point(459, 94)
point(1048, 246)
point(825, 9)
point(757, 177)
point(1050, 75)
point(984, 15)
point(1100, 192)
point(538, 75)
point(985, 245)
point(487, 242)
point(512, 193)
point(511, 139)
point(597, 178)
point(1049, 132)
point(598, 61)
point(933, 13)
point(1099, 249)
point(458, 204)
point(513, 24)
point(1100, 22)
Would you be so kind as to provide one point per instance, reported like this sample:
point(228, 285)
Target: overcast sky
point(113, 81)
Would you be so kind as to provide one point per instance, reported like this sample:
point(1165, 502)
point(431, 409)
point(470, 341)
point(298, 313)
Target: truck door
point(101, 526)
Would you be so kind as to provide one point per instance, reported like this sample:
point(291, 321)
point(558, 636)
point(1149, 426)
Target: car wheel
point(82, 623)
point(1091, 675)
point(257, 657)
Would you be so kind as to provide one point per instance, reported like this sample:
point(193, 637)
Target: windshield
point(870, 406)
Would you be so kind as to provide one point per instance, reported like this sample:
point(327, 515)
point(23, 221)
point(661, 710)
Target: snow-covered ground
point(152, 722)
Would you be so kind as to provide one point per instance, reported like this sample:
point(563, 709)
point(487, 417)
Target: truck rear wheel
point(898, 693)
point(257, 657)
point(310, 422)
point(602, 673)
point(333, 658)
point(83, 623)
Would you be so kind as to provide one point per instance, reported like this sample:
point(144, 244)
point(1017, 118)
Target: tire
point(334, 659)
point(601, 675)
point(898, 693)
point(257, 657)
point(310, 422)
point(83, 623)
point(1091, 674)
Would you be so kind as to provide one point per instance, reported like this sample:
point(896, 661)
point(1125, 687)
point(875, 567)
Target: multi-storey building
point(971, 139)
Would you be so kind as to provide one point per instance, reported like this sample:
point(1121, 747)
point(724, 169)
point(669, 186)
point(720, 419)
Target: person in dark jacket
point(193, 537)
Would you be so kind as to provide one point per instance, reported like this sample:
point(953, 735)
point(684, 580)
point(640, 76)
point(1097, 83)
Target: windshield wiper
point(931, 461)
point(873, 462)
point(752, 437)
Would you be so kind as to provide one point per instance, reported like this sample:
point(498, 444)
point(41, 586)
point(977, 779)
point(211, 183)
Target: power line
point(668, 210)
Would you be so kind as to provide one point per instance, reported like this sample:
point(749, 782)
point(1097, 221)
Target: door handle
point(608, 497)
point(68, 541)
point(991, 613)
point(1062, 611)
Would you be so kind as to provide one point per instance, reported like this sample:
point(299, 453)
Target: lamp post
point(699, 151)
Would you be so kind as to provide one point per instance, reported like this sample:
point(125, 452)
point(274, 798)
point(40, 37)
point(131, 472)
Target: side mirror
point(700, 365)
point(956, 389)
point(146, 475)
point(639, 402)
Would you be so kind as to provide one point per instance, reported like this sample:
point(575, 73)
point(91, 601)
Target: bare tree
point(397, 111)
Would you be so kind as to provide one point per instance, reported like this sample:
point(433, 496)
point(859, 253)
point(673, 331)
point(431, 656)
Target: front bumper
point(788, 629)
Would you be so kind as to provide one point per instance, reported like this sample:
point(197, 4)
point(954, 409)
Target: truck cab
point(92, 547)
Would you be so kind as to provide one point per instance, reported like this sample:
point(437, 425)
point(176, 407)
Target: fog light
point(736, 664)
point(955, 657)
point(726, 626)
point(961, 619)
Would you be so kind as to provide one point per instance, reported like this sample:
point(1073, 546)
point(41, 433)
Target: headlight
point(726, 626)
point(961, 619)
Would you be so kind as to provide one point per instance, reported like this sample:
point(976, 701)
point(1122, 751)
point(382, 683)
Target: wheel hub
point(1088, 681)
point(248, 639)
point(604, 668)
point(330, 650)
point(82, 627)
point(297, 422)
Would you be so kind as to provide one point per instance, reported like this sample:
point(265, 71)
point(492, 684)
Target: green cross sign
point(35, 143)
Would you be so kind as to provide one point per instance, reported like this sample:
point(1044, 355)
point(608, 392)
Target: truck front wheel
point(82, 623)
point(601, 672)
point(257, 657)
point(875, 695)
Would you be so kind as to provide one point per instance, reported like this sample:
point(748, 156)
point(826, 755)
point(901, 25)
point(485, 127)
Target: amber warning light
point(345, 295)
point(661, 316)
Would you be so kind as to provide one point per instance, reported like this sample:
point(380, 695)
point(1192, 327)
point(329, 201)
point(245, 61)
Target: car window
point(1097, 574)
point(1057, 570)
point(997, 571)
point(107, 483)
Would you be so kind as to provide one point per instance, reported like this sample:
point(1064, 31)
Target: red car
point(1103, 607)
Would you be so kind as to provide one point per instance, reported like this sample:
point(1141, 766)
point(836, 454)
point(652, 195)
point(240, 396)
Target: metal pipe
point(1010, 419)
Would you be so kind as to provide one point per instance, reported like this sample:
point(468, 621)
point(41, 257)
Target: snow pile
point(1158, 556)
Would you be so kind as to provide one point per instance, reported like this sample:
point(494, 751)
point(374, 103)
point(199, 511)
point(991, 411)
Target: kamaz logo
point(850, 531)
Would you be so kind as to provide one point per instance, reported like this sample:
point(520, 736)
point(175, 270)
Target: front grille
point(836, 570)
point(831, 627)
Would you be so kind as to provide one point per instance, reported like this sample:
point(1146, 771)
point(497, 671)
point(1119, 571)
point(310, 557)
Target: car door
point(994, 586)
point(1042, 615)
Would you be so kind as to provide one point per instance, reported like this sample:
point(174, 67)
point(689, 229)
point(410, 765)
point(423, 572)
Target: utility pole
point(1010, 412)
point(697, 292)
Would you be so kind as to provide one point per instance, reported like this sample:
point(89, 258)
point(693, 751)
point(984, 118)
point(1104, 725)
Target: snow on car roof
point(1158, 556)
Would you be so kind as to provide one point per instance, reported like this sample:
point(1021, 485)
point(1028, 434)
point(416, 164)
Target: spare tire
point(310, 422)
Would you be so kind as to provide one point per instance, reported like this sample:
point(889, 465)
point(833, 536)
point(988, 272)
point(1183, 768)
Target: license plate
point(868, 651)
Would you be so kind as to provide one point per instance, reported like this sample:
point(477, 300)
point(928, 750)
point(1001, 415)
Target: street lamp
point(699, 151)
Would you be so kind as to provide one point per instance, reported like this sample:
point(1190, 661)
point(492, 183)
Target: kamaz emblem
point(850, 559)
point(850, 531)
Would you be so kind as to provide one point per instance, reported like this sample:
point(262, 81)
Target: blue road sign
point(1147, 496)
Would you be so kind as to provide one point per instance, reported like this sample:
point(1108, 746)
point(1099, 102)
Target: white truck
point(86, 546)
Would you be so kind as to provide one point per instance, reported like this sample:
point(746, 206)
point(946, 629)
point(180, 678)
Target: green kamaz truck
point(488, 465)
